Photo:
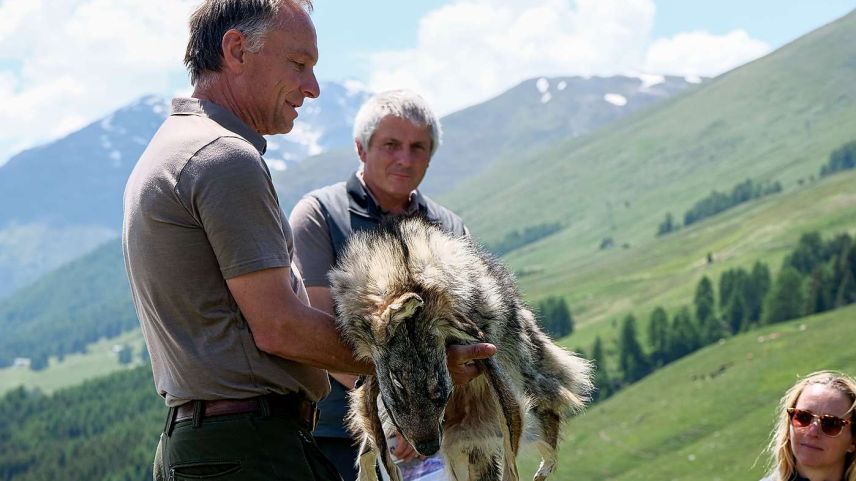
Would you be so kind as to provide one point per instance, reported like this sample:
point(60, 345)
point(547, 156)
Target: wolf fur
point(406, 291)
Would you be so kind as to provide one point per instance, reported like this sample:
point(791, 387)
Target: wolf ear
point(400, 309)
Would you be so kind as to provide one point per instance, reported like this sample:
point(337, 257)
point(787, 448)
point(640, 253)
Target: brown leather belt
point(275, 404)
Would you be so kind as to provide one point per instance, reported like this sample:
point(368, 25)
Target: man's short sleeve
point(313, 247)
point(228, 190)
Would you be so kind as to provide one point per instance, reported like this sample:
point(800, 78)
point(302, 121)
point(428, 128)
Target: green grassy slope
point(98, 360)
point(66, 309)
point(708, 416)
point(777, 118)
point(605, 285)
point(774, 119)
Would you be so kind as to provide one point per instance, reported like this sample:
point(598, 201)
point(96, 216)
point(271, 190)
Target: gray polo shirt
point(200, 208)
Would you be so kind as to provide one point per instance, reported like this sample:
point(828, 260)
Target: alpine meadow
point(579, 218)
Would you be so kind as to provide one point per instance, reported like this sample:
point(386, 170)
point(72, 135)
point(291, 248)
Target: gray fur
point(406, 291)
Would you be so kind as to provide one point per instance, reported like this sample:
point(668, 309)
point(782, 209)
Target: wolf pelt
point(402, 294)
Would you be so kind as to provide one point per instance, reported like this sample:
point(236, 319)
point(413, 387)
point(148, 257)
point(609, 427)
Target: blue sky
point(65, 63)
point(345, 46)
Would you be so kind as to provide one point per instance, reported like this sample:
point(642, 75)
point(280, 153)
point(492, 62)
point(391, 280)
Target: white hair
point(404, 104)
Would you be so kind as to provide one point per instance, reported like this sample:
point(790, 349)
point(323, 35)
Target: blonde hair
point(782, 460)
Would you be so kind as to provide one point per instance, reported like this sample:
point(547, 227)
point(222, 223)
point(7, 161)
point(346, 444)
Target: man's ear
point(233, 46)
point(361, 151)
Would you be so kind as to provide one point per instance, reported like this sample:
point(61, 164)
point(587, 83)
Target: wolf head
point(411, 371)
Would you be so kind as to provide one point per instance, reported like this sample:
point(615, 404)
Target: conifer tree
point(658, 336)
point(846, 292)
point(602, 382)
point(757, 289)
point(786, 298)
point(633, 362)
point(556, 317)
point(819, 291)
point(684, 336)
point(808, 254)
point(705, 311)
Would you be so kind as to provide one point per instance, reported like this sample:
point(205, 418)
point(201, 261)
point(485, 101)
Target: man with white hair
point(395, 135)
point(237, 354)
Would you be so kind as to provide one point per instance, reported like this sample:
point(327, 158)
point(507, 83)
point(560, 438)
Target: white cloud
point(703, 54)
point(472, 50)
point(63, 63)
point(77, 60)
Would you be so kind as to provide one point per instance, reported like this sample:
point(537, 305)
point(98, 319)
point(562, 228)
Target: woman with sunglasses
point(815, 430)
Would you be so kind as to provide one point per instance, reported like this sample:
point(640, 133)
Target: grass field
point(708, 416)
point(75, 368)
point(775, 119)
point(606, 285)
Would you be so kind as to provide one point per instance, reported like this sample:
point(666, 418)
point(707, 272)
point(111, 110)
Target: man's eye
point(300, 65)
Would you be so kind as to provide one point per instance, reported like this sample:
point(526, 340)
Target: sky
point(66, 63)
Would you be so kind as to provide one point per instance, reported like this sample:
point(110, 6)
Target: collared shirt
point(200, 208)
point(412, 202)
point(348, 202)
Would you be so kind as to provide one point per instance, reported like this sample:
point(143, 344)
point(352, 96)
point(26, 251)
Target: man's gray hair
point(404, 104)
point(213, 18)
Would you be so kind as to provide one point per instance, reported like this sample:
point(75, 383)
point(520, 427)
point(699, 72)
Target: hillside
point(62, 199)
point(707, 416)
point(67, 309)
point(607, 284)
point(775, 119)
point(534, 113)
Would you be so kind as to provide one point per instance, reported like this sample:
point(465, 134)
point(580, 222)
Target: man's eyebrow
point(305, 54)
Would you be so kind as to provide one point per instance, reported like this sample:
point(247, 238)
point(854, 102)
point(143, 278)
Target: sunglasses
point(829, 425)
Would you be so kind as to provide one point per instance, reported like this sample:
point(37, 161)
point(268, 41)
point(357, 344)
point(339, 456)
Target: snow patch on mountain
point(616, 99)
point(650, 80)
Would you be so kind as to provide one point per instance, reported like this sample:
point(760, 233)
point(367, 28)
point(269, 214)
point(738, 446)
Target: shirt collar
point(415, 202)
point(364, 202)
point(224, 117)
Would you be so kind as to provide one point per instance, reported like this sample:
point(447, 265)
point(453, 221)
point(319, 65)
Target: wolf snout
point(427, 447)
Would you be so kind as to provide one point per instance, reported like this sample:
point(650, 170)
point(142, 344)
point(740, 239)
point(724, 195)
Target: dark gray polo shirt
point(200, 208)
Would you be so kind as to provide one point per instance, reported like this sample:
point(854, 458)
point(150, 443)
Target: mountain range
point(60, 200)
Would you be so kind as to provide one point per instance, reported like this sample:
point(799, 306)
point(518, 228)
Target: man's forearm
point(284, 326)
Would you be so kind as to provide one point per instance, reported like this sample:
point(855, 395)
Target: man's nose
point(404, 156)
point(311, 89)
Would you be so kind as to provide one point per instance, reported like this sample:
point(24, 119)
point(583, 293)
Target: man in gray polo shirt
point(395, 135)
point(236, 352)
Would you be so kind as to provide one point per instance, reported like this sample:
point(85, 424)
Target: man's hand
point(401, 449)
point(460, 359)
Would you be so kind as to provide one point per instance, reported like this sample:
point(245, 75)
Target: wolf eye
point(395, 382)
